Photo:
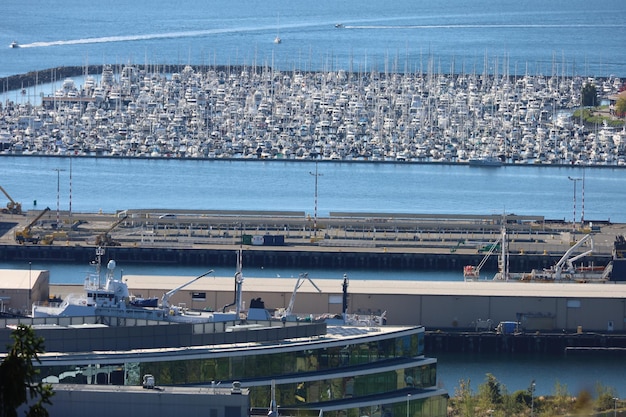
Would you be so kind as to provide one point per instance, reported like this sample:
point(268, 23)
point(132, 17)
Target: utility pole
point(58, 170)
point(70, 210)
point(574, 180)
point(316, 175)
point(582, 209)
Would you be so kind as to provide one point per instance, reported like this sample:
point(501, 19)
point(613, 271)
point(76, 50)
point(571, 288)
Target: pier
point(378, 241)
point(566, 342)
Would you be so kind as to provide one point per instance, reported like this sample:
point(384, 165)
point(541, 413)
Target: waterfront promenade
point(260, 113)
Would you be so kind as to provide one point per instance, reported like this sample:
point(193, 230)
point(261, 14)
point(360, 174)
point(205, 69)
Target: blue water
point(557, 37)
point(516, 371)
point(111, 185)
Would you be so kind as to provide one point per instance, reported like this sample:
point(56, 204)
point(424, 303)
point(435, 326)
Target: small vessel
point(485, 161)
point(339, 25)
point(14, 44)
point(114, 300)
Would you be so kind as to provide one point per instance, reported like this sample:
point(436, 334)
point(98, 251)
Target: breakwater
point(58, 74)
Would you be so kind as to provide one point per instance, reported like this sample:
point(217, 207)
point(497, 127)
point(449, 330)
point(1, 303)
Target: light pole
point(615, 399)
point(58, 170)
point(408, 398)
point(30, 285)
point(316, 175)
point(575, 181)
point(532, 398)
point(582, 205)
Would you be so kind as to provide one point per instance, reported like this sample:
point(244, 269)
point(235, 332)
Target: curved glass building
point(338, 370)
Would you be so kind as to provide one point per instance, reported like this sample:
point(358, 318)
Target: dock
point(341, 240)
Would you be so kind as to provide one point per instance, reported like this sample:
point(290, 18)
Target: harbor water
point(449, 36)
point(109, 185)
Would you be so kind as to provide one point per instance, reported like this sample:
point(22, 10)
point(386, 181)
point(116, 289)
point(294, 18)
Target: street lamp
point(574, 180)
point(58, 170)
point(408, 398)
point(316, 175)
point(615, 399)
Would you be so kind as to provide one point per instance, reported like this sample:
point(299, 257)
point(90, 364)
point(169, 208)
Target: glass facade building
point(347, 372)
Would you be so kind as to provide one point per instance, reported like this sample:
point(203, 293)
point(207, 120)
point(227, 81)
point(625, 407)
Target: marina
point(260, 113)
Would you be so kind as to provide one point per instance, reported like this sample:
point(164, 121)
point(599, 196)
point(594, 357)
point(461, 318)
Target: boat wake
point(200, 33)
point(150, 36)
point(130, 38)
point(474, 26)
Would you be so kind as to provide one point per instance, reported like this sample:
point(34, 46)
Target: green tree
point(490, 393)
point(17, 376)
point(589, 96)
point(463, 403)
point(620, 107)
point(605, 397)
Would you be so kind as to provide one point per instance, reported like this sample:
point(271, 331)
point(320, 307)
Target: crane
point(471, 272)
point(165, 300)
point(13, 207)
point(104, 239)
point(566, 263)
point(25, 235)
point(301, 278)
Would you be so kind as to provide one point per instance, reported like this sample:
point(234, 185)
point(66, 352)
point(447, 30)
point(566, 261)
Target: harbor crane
point(165, 300)
point(566, 263)
point(105, 239)
point(301, 279)
point(471, 272)
point(26, 234)
point(13, 207)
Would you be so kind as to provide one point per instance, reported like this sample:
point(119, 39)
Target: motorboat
point(14, 44)
point(485, 161)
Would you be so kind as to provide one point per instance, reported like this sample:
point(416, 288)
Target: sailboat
point(277, 38)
